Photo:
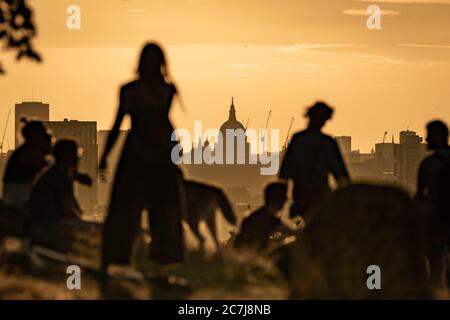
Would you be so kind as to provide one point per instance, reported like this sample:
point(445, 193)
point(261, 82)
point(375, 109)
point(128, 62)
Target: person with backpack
point(434, 185)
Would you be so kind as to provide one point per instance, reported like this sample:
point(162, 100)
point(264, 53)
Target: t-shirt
point(310, 158)
point(45, 198)
point(256, 229)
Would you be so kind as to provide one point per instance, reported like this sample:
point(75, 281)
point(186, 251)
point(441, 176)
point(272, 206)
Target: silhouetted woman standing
point(146, 177)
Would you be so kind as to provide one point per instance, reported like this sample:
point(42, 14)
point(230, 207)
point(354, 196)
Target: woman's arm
point(113, 135)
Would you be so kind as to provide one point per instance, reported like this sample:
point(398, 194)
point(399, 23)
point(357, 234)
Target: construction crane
point(288, 134)
point(263, 138)
point(268, 120)
point(4, 131)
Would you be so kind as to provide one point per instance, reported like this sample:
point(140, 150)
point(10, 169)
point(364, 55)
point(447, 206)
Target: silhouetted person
point(53, 194)
point(53, 201)
point(259, 226)
point(434, 184)
point(25, 162)
point(146, 176)
point(310, 157)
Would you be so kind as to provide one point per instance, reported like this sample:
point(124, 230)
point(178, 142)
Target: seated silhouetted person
point(53, 203)
point(27, 161)
point(310, 157)
point(434, 184)
point(24, 164)
point(257, 229)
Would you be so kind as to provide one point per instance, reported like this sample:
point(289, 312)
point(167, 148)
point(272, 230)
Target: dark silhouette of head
point(152, 63)
point(437, 135)
point(35, 133)
point(66, 152)
point(275, 195)
point(319, 114)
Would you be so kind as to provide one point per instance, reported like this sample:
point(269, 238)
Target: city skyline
point(391, 162)
point(278, 57)
point(13, 121)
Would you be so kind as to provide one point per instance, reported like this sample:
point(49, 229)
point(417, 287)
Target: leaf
point(17, 29)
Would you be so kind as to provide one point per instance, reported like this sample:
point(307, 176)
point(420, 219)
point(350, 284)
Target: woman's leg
point(164, 196)
point(123, 217)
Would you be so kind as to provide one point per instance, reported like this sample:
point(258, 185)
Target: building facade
point(345, 144)
point(374, 167)
point(408, 156)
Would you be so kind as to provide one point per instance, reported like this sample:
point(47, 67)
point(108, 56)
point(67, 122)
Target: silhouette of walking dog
point(203, 201)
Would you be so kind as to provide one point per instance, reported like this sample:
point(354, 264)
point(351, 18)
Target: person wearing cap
point(309, 160)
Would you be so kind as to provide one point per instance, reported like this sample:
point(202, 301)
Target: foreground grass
point(226, 276)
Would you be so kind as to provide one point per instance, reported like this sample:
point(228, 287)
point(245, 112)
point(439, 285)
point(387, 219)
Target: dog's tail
point(225, 206)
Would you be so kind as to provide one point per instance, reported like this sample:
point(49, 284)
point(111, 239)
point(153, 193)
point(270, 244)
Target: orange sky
point(269, 54)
